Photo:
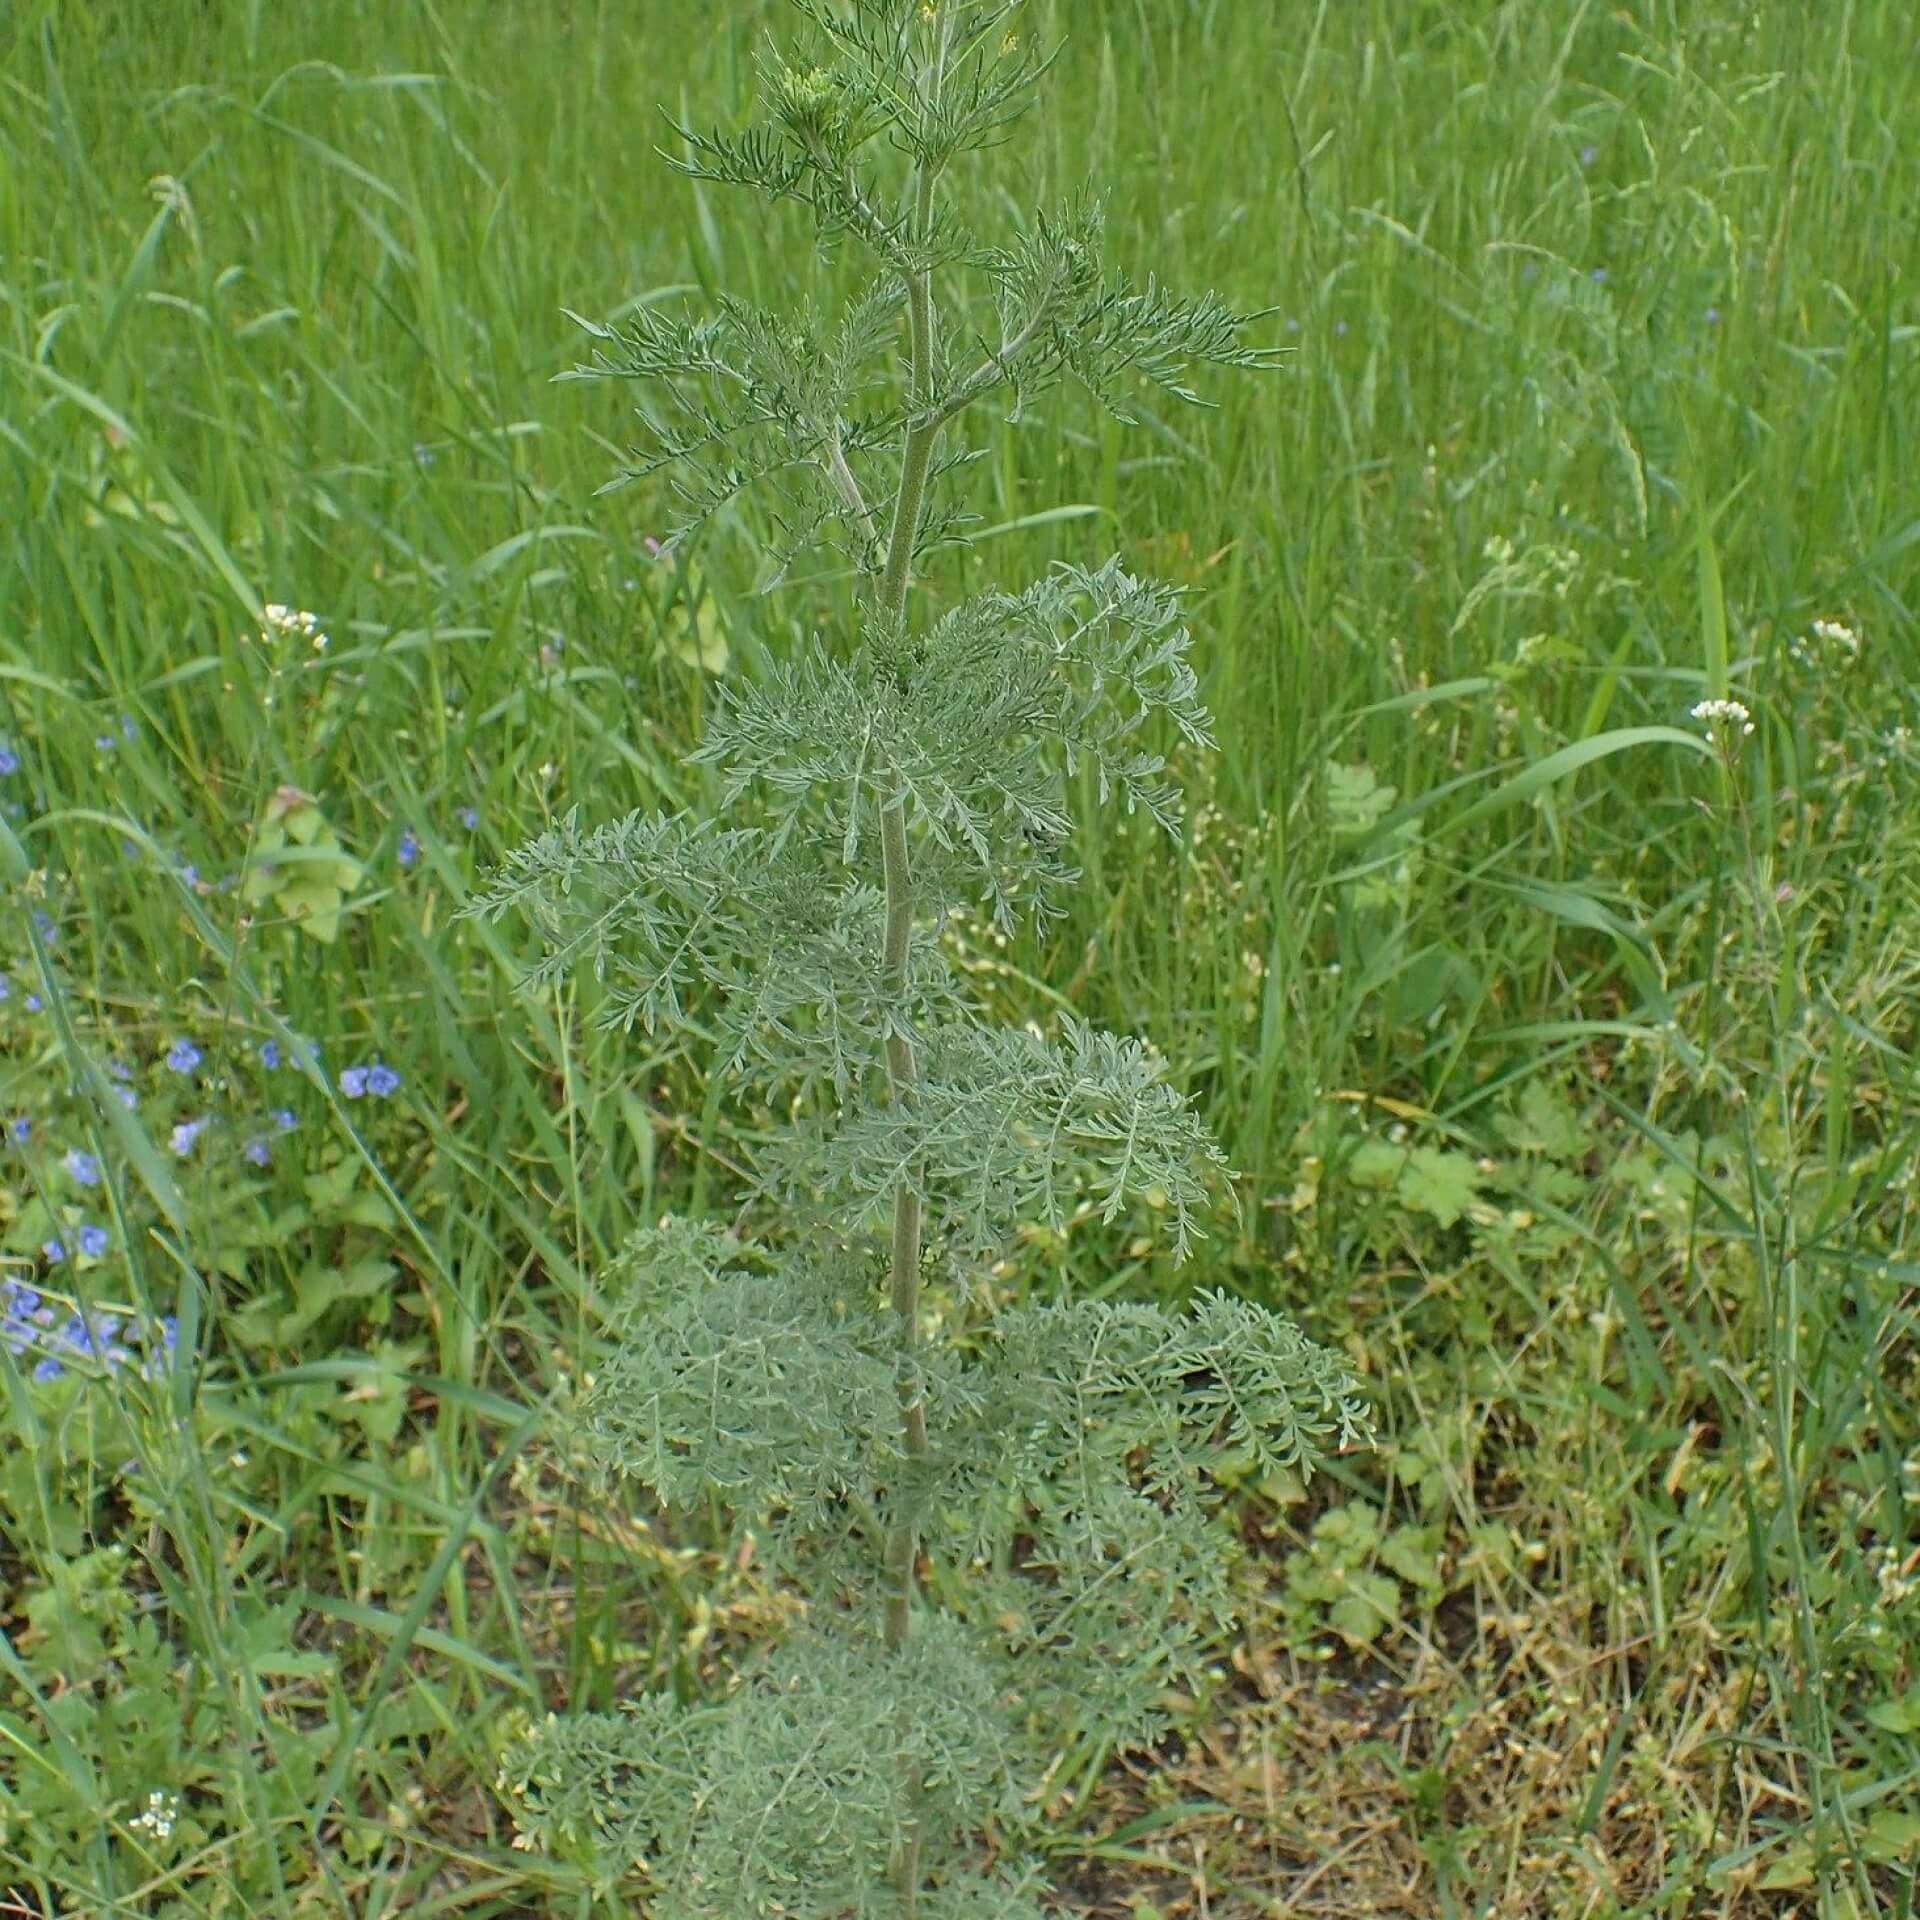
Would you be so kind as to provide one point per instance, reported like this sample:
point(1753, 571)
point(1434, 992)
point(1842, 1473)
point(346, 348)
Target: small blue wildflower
point(185, 1134)
point(256, 1151)
point(190, 874)
point(9, 761)
point(33, 1003)
point(128, 1098)
point(1598, 276)
point(127, 728)
point(283, 1119)
point(353, 1082)
point(44, 921)
point(83, 1167)
point(382, 1080)
point(269, 1054)
point(409, 849)
point(1713, 316)
point(183, 1056)
point(119, 1069)
point(1588, 155)
point(6, 988)
point(54, 1251)
point(48, 1369)
point(94, 1241)
point(91, 1338)
point(20, 1130)
point(469, 817)
point(104, 742)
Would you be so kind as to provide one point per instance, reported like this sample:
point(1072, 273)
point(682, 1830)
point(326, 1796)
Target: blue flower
point(409, 849)
point(185, 1134)
point(48, 1369)
point(256, 1151)
point(83, 1167)
point(33, 1003)
point(377, 1079)
point(283, 1118)
point(20, 1130)
point(469, 817)
point(104, 742)
point(54, 1251)
point(269, 1054)
point(9, 761)
point(94, 1241)
point(6, 988)
point(183, 1056)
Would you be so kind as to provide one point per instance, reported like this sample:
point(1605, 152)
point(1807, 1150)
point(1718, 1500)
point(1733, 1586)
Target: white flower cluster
point(1893, 1576)
point(162, 1810)
point(1829, 637)
point(291, 621)
point(1715, 713)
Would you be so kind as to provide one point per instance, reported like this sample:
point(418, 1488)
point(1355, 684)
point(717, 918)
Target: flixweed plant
point(998, 1517)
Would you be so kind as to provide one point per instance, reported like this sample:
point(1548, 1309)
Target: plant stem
point(916, 460)
point(902, 1072)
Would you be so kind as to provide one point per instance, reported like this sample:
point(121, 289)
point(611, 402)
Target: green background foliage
point(1569, 1066)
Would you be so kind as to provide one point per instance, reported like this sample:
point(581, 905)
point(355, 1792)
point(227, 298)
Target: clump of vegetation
point(998, 1513)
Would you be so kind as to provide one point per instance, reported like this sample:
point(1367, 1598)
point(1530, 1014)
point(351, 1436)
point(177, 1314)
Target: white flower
point(1712, 713)
point(1840, 634)
point(294, 622)
point(162, 1810)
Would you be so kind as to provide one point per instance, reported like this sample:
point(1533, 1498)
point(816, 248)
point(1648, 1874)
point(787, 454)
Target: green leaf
point(1545, 1122)
point(1897, 1716)
point(1372, 1604)
point(1892, 1836)
point(1793, 1869)
point(1412, 1553)
point(1426, 1179)
point(1356, 801)
point(699, 641)
point(1557, 766)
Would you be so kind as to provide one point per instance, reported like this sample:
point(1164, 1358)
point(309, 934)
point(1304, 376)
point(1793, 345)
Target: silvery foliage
point(1010, 1534)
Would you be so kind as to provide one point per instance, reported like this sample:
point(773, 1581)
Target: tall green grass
point(1569, 1072)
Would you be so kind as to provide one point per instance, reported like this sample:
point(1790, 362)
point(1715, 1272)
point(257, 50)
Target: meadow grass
point(1566, 1055)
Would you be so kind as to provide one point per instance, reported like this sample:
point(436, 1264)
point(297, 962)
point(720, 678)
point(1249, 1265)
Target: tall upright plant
point(999, 1518)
